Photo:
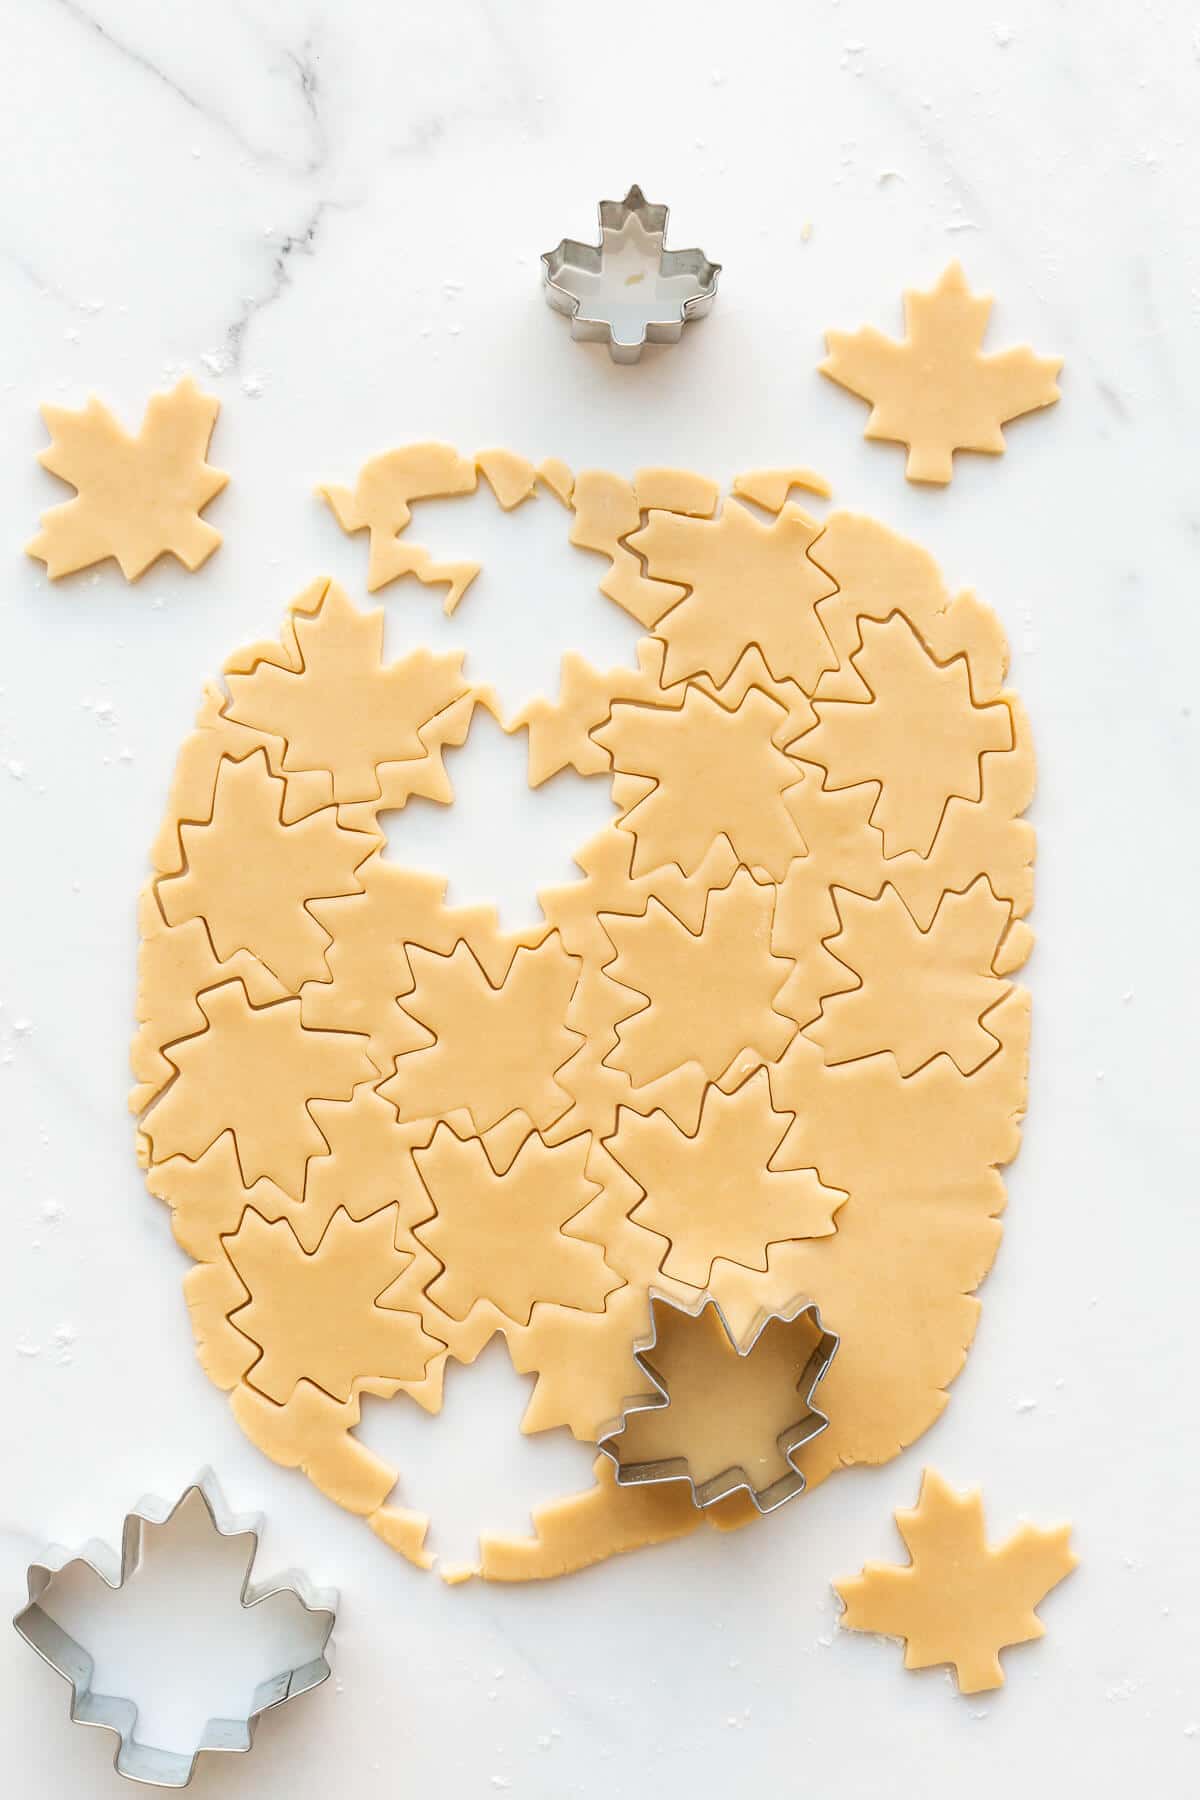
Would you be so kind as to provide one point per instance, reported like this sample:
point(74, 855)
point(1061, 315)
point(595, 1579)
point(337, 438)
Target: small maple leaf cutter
point(791, 1439)
point(629, 290)
point(147, 1763)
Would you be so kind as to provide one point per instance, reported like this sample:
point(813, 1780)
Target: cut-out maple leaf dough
point(960, 1600)
point(917, 733)
point(936, 390)
point(502, 1234)
point(494, 1049)
point(137, 498)
point(716, 773)
point(324, 1316)
point(919, 993)
point(254, 1071)
point(708, 995)
point(716, 1194)
point(750, 582)
point(650, 1007)
point(341, 707)
point(280, 869)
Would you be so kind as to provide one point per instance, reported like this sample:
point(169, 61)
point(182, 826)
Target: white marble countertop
point(332, 216)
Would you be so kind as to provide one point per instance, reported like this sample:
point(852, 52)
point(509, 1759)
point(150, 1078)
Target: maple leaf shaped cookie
point(253, 1071)
point(917, 993)
point(716, 773)
point(280, 867)
point(744, 582)
point(960, 1600)
point(340, 706)
point(505, 1233)
point(707, 997)
point(325, 1316)
point(935, 390)
point(717, 1194)
point(137, 498)
point(920, 735)
point(494, 1049)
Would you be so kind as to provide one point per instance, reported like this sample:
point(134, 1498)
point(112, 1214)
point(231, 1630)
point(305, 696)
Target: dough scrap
point(586, 1528)
point(351, 1090)
point(935, 390)
point(606, 512)
point(136, 498)
point(959, 1600)
point(554, 474)
point(381, 503)
point(560, 731)
point(769, 488)
point(512, 478)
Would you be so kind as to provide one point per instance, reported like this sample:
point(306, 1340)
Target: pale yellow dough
point(137, 498)
point(766, 1045)
point(936, 390)
point(960, 1600)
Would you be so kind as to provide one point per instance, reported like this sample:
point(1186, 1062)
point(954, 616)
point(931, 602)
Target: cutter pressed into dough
point(148, 1763)
point(791, 1439)
point(629, 290)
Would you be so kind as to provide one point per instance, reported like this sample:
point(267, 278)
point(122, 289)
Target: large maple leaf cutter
point(791, 1439)
point(147, 1763)
point(629, 290)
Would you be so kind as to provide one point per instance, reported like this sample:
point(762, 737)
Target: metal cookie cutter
point(114, 1712)
point(629, 290)
point(735, 1478)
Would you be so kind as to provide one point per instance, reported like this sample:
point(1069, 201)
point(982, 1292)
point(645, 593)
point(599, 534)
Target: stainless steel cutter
point(118, 1713)
point(629, 290)
point(734, 1479)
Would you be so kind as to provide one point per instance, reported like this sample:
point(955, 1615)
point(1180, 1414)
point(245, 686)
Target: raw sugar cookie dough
point(388, 1129)
point(960, 1600)
point(136, 498)
point(937, 390)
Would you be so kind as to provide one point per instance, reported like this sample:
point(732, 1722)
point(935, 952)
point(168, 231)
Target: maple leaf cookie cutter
point(148, 1763)
point(609, 295)
point(791, 1440)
